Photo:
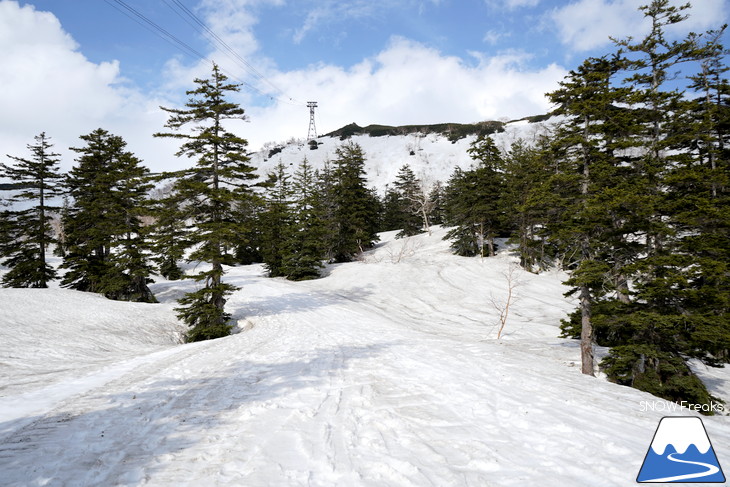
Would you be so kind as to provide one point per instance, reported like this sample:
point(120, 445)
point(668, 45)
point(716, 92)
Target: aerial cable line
point(195, 22)
point(135, 15)
point(211, 34)
point(145, 22)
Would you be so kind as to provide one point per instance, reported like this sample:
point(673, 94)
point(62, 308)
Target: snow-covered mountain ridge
point(387, 372)
point(432, 156)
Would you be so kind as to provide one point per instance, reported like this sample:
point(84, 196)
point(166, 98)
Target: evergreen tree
point(587, 98)
point(326, 204)
point(697, 208)
point(656, 329)
point(105, 239)
point(459, 197)
point(306, 247)
point(355, 207)
point(474, 202)
point(169, 234)
point(212, 191)
point(531, 202)
point(277, 222)
point(392, 217)
point(249, 214)
point(648, 209)
point(27, 233)
point(410, 202)
point(437, 204)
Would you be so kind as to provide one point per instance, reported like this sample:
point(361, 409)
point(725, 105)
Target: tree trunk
point(586, 332)
point(622, 289)
point(481, 240)
point(426, 223)
point(42, 228)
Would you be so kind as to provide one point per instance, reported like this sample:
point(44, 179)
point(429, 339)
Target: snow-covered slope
point(434, 156)
point(385, 373)
point(65, 333)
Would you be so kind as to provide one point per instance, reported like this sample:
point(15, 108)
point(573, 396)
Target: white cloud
point(328, 11)
point(521, 3)
point(494, 36)
point(588, 24)
point(324, 13)
point(233, 21)
point(512, 4)
point(44, 73)
point(48, 85)
point(408, 83)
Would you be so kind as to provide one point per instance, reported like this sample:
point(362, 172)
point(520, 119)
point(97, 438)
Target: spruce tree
point(436, 202)
point(306, 245)
point(212, 191)
point(106, 245)
point(588, 100)
point(392, 217)
point(474, 202)
point(410, 202)
point(169, 234)
point(276, 222)
point(249, 214)
point(355, 207)
point(531, 202)
point(648, 222)
point(656, 329)
point(27, 233)
point(326, 198)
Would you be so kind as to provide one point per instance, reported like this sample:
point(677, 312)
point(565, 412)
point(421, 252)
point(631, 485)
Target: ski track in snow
point(381, 374)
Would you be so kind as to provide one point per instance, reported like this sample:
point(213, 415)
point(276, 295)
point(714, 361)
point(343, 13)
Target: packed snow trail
point(342, 382)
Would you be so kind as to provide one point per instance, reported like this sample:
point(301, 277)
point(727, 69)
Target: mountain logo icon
point(681, 452)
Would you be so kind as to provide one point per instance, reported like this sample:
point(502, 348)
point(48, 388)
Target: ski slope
point(432, 157)
point(385, 373)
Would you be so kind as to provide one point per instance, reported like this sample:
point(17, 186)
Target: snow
point(434, 159)
point(42, 329)
point(387, 372)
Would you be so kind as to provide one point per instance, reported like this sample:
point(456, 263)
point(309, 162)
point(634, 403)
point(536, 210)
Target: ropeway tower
point(312, 133)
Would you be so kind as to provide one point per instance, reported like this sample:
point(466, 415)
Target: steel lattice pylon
point(312, 133)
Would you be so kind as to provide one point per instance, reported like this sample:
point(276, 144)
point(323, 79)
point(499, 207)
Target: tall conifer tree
point(27, 232)
point(408, 190)
point(106, 246)
point(474, 201)
point(646, 209)
point(306, 247)
point(589, 102)
point(277, 222)
point(212, 190)
point(356, 208)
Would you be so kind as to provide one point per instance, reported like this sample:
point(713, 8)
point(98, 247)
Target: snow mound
point(51, 334)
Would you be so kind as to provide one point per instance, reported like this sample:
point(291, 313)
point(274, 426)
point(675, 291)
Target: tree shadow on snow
point(129, 437)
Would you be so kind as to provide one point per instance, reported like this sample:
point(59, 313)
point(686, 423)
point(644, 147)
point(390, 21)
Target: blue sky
point(74, 65)
point(296, 34)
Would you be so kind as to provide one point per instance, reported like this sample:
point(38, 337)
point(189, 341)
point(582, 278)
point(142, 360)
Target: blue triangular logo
point(681, 452)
